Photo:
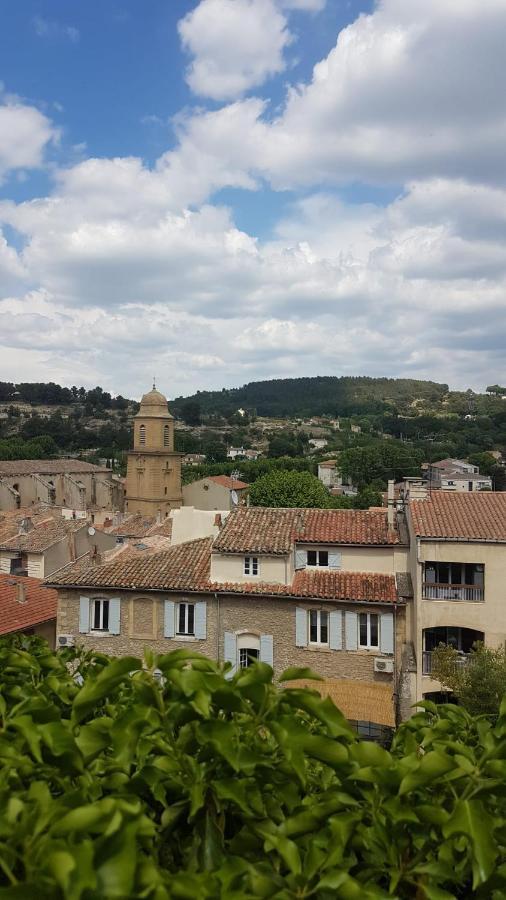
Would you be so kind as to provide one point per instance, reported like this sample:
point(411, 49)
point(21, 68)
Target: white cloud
point(307, 5)
point(45, 28)
point(25, 133)
point(235, 44)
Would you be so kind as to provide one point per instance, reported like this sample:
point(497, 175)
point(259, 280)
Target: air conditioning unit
point(65, 640)
point(386, 666)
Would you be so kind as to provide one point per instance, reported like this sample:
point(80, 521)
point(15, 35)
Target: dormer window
point(251, 565)
point(317, 557)
point(142, 435)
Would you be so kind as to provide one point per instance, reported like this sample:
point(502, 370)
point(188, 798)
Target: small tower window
point(166, 436)
point(142, 434)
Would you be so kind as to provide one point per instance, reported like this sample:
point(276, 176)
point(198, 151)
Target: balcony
point(471, 592)
point(427, 656)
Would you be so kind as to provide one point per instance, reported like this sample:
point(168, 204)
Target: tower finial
point(154, 382)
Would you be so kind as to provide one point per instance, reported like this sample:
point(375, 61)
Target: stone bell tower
point(153, 481)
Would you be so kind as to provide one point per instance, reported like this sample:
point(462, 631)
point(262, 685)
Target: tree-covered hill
point(327, 395)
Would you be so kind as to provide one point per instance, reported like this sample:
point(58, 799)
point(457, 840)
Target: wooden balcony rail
point(470, 592)
point(427, 661)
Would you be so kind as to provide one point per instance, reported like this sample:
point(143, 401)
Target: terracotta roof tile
point(266, 530)
point(40, 604)
point(47, 467)
point(42, 535)
point(475, 516)
point(183, 567)
point(356, 586)
point(233, 484)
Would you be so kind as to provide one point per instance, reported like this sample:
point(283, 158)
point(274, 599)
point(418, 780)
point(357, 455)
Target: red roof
point(40, 603)
point(227, 482)
point(355, 586)
point(477, 516)
point(272, 530)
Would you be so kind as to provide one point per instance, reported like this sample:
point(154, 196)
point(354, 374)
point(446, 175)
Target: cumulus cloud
point(25, 133)
point(45, 28)
point(235, 44)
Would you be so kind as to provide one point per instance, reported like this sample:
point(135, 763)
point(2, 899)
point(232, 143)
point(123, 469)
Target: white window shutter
point(387, 633)
point(300, 627)
point(300, 559)
point(115, 615)
point(336, 630)
point(168, 620)
point(267, 649)
point(351, 630)
point(335, 559)
point(84, 615)
point(230, 651)
point(201, 620)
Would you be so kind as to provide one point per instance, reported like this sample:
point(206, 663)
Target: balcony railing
point(427, 655)
point(471, 592)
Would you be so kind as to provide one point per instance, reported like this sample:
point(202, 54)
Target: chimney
point(391, 504)
point(20, 592)
point(218, 520)
point(26, 525)
point(95, 556)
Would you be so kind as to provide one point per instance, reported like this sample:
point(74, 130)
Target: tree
point(496, 389)
point(284, 488)
point(190, 412)
point(478, 680)
point(162, 778)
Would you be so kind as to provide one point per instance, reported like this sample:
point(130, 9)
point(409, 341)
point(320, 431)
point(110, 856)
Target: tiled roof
point(135, 525)
point(39, 605)
point(361, 701)
point(183, 567)
point(187, 567)
point(10, 520)
point(47, 467)
point(42, 535)
point(355, 586)
point(232, 484)
point(474, 516)
point(266, 530)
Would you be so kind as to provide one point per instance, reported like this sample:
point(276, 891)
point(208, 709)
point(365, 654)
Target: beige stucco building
point(153, 482)
point(215, 492)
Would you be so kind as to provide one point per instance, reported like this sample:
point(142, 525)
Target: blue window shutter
point(351, 630)
point(201, 620)
point(336, 630)
point(300, 559)
point(230, 651)
point(335, 559)
point(267, 649)
point(387, 633)
point(84, 615)
point(300, 627)
point(115, 615)
point(168, 620)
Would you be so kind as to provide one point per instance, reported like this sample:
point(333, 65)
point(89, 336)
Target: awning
point(362, 701)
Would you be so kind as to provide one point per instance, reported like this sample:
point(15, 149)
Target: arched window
point(142, 434)
point(166, 436)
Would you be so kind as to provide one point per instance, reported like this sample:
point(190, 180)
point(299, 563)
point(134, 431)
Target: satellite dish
point(235, 498)
point(91, 531)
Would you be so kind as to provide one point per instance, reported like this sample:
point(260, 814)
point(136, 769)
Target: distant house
point(234, 452)
point(39, 550)
point(27, 607)
point(318, 443)
point(456, 475)
point(330, 476)
point(194, 459)
point(219, 492)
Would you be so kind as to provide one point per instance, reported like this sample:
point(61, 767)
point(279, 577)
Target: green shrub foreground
point(195, 786)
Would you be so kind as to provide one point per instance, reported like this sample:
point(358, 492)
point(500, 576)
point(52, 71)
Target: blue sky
point(240, 189)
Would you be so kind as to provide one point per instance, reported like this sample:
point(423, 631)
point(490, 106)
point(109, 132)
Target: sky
point(224, 191)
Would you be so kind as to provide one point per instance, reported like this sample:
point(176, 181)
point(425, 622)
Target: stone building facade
point(68, 483)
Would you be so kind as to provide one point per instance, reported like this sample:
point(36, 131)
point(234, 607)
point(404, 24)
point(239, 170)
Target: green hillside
point(317, 396)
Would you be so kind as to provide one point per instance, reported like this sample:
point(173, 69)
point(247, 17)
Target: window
point(318, 626)
point(166, 436)
point(185, 618)
point(100, 615)
point(248, 656)
point(142, 434)
point(317, 557)
point(251, 565)
point(368, 631)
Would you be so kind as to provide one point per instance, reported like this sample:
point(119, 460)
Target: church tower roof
point(154, 403)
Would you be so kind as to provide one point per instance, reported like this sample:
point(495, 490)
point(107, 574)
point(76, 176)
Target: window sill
point(102, 634)
point(185, 637)
point(318, 648)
